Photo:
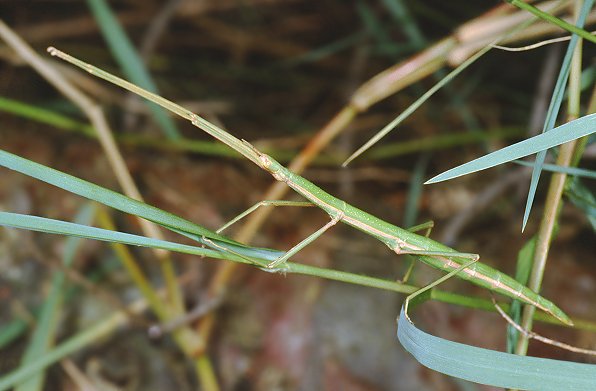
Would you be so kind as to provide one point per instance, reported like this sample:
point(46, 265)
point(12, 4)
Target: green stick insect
point(399, 240)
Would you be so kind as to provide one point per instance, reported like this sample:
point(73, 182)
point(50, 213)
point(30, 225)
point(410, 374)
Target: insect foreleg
point(428, 226)
point(437, 282)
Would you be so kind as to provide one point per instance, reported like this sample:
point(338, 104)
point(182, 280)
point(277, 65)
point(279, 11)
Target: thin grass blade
point(84, 338)
point(47, 323)
point(400, 12)
point(10, 331)
point(44, 116)
point(414, 106)
point(64, 122)
point(42, 224)
point(584, 199)
point(553, 109)
point(580, 127)
point(415, 190)
point(103, 195)
point(373, 25)
point(572, 171)
point(523, 268)
point(129, 60)
point(578, 30)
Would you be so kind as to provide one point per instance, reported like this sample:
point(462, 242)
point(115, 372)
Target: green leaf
point(580, 127)
point(493, 368)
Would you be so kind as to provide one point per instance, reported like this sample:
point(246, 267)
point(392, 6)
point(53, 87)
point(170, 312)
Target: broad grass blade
point(491, 367)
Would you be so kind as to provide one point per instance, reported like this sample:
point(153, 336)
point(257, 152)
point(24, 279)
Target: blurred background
point(275, 72)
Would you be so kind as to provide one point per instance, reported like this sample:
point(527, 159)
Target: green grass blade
point(580, 127)
point(553, 109)
point(327, 50)
point(129, 60)
point(64, 122)
point(104, 196)
point(10, 331)
point(414, 106)
point(438, 142)
point(584, 199)
point(125, 204)
point(47, 323)
point(373, 25)
point(554, 20)
point(42, 224)
point(84, 338)
point(44, 116)
point(415, 190)
point(523, 268)
point(406, 21)
point(574, 171)
point(478, 365)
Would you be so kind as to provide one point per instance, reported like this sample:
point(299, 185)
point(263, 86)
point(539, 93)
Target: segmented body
point(402, 241)
point(397, 239)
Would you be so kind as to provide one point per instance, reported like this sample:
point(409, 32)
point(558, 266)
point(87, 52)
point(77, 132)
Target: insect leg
point(263, 203)
point(428, 226)
point(305, 242)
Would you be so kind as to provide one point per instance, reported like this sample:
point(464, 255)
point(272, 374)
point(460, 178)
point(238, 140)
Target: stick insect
point(399, 240)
